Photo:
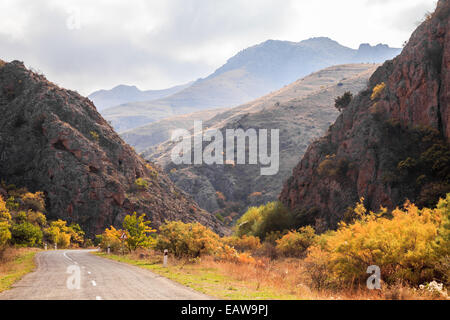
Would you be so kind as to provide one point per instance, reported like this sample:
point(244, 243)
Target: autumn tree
point(58, 232)
point(343, 101)
point(139, 232)
point(409, 245)
point(111, 238)
point(187, 239)
point(5, 217)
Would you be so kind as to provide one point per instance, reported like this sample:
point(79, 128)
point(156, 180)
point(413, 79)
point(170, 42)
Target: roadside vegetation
point(24, 231)
point(265, 259)
point(14, 264)
point(23, 222)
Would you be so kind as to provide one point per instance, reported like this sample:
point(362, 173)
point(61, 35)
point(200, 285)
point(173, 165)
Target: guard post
point(166, 253)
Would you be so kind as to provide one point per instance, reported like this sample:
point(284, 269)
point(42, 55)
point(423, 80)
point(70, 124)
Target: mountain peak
point(125, 87)
point(319, 40)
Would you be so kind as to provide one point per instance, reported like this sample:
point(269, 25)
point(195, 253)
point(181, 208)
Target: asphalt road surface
point(80, 275)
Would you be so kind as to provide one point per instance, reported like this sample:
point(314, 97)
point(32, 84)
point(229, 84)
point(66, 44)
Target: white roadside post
point(166, 252)
point(56, 247)
point(109, 250)
point(45, 246)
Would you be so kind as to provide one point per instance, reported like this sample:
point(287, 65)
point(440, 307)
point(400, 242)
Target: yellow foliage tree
point(139, 232)
point(58, 232)
point(112, 238)
point(244, 243)
point(406, 247)
point(34, 201)
point(5, 217)
point(187, 239)
point(295, 243)
point(377, 90)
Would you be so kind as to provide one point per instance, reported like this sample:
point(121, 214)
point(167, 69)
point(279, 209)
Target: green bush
point(141, 184)
point(26, 234)
point(259, 221)
point(139, 232)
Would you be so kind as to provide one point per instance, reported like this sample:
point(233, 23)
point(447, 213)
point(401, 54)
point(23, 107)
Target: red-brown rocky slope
point(391, 143)
point(54, 140)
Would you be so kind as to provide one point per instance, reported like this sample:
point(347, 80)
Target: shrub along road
point(100, 279)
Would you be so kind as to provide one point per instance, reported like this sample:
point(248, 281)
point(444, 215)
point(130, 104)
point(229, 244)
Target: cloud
point(88, 45)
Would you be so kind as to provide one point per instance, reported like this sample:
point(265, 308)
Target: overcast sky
point(87, 45)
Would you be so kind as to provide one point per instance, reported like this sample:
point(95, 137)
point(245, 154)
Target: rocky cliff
point(54, 140)
point(391, 143)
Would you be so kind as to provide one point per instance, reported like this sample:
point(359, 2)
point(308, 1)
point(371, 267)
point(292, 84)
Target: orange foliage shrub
point(377, 90)
point(187, 239)
point(295, 243)
point(111, 238)
point(244, 243)
point(408, 247)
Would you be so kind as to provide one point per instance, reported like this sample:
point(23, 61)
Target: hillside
point(302, 111)
point(54, 140)
point(121, 94)
point(142, 138)
point(250, 74)
point(391, 143)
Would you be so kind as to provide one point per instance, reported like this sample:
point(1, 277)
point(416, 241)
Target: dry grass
point(14, 264)
point(279, 279)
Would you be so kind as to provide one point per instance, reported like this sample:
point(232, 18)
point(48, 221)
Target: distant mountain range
point(123, 94)
point(302, 111)
point(250, 74)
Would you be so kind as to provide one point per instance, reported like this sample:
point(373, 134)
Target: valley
point(290, 170)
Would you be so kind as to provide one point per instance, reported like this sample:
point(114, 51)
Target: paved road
point(101, 279)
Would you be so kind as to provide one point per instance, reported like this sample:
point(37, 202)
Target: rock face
point(391, 143)
point(301, 111)
point(54, 140)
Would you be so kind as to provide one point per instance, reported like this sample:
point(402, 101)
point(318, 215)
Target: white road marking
point(89, 272)
point(69, 258)
point(98, 298)
point(94, 283)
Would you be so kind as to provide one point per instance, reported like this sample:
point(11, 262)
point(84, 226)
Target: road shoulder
point(17, 262)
